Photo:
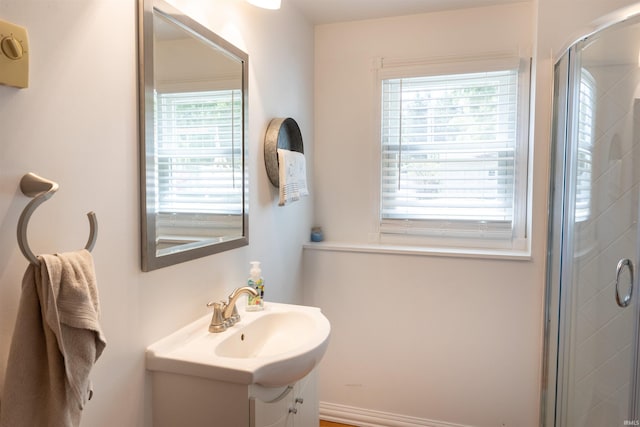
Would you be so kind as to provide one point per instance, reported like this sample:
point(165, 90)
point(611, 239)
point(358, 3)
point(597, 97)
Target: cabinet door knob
point(299, 400)
point(293, 410)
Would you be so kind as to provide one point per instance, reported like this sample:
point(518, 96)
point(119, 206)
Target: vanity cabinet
point(182, 400)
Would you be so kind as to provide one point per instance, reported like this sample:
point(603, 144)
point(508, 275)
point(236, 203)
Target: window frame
point(478, 237)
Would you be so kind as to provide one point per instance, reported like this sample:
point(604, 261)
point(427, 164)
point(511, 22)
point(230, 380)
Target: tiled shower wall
point(604, 332)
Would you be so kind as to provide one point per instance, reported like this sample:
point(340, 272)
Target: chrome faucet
point(230, 309)
point(225, 314)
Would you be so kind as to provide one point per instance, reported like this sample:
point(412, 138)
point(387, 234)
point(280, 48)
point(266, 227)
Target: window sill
point(511, 255)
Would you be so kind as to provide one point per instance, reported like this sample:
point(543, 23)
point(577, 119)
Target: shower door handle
point(626, 262)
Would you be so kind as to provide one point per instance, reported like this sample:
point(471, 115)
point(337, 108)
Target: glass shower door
point(594, 234)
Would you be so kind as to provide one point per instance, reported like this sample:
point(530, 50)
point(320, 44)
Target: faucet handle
point(218, 324)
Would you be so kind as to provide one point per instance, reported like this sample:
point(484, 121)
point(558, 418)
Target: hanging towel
point(292, 176)
point(56, 341)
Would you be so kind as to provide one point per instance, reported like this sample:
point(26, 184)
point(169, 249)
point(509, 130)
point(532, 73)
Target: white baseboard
point(369, 418)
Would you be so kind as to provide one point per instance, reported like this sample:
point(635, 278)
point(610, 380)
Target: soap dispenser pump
point(256, 282)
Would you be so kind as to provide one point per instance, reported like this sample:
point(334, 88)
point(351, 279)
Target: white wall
point(444, 339)
point(77, 124)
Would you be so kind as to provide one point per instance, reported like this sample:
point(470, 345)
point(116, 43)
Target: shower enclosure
point(592, 286)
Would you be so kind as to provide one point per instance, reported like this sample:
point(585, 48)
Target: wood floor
point(330, 424)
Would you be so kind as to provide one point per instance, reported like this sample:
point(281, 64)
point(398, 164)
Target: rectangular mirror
point(193, 122)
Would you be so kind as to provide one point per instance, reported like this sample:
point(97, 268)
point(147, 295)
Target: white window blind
point(452, 151)
point(199, 152)
point(586, 123)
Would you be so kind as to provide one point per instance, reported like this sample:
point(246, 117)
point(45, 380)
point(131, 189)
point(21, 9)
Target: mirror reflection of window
point(586, 129)
point(198, 147)
point(199, 168)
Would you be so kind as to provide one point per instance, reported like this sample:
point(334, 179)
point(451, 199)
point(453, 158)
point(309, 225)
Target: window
point(454, 156)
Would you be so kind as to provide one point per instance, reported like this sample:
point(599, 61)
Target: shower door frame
point(559, 286)
point(561, 193)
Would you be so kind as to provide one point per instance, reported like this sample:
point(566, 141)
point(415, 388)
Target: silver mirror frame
point(146, 10)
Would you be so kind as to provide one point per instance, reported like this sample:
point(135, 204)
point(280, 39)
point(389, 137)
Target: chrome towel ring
point(41, 190)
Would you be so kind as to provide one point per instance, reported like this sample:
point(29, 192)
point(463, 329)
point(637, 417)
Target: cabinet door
point(272, 413)
point(297, 407)
point(304, 401)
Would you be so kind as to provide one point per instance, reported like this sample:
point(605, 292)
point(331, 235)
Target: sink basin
point(272, 348)
point(273, 334)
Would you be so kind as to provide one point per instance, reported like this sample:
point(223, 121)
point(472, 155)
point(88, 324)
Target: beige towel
point(56, 341)
point(292, 174)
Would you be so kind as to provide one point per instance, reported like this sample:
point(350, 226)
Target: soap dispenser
point(256, 282)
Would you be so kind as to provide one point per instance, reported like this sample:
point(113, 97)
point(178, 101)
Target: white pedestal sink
point(274, 347)
point(260, 372)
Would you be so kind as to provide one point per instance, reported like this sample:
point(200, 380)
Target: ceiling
point(329, 11)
